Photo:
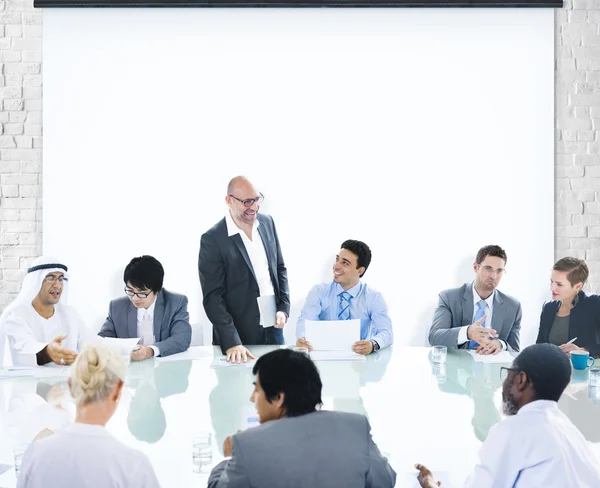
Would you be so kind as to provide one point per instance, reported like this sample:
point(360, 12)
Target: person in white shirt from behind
point(537, 445)
point(41, 328)
point(84, 454)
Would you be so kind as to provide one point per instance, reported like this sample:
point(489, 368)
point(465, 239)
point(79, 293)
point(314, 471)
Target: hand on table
point(567, 348)
point(237, 354)
point(143, 352)
point(302, 342)
point(363, 347)
point(492, 347)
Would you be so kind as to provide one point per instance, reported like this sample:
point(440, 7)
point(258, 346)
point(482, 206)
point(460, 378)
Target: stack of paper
point(15, 372)
point(332, 340)
point(223, 363)
point(501, 357)
point(124, 346)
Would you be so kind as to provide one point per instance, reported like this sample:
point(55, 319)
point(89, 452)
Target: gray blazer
point(455, 309)
point(172, 330)
point(322, 449)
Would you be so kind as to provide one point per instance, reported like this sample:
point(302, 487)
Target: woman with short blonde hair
point(85, 454)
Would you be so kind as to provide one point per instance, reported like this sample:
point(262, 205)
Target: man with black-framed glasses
point(158, 317)
point(537, 445)
point(240, 262)
point(476, 315)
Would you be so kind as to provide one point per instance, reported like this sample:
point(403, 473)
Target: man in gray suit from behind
point(157, 316)
point(296, 444)
point(476, 315)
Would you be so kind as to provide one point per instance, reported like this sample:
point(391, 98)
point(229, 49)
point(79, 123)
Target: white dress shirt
point(141, 312)
point(28, 332)
point(537, 447)
point(257, 254)
point(488, 310)
point(85, 456)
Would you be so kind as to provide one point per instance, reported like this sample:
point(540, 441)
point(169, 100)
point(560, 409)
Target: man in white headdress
point(39, 329)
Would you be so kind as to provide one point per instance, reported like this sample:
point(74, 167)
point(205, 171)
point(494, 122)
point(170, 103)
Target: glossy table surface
point(419, 412)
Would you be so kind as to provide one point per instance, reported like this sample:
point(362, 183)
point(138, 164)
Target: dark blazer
point(584, 322)
point(172, 330)
point(455, 309)
point(229, 285)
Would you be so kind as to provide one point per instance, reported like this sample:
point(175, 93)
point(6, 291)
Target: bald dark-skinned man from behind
point(240, 260)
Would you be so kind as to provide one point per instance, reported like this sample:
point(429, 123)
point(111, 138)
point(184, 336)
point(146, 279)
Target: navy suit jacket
point(584, 322)
point(172, 330)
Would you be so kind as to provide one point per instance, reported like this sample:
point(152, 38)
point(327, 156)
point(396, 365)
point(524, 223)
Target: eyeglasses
point(490, 270)
point(131, 293)
point(504, 372)
point(250, 201)
point(54, 279)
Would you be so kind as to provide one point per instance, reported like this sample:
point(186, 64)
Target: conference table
point(419, 411)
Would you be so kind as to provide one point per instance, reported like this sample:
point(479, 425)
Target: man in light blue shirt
point(346, 298)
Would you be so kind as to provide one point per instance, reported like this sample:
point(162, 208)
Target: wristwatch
point(375, 346)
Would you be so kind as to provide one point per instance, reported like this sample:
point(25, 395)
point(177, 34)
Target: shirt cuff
point(504, 346)
point(462, 335)
point(156, 351)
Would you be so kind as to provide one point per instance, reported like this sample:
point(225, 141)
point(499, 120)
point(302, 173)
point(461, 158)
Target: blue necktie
point(344, 308)
point(480, 313)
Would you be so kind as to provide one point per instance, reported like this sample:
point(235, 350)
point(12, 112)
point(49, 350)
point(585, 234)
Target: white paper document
point(267, 307)
point(15, 372)
point(336, 356)
point(501, 357)
point(332, 340)
point(125, 346)
point(221, 362)
point(195, 352)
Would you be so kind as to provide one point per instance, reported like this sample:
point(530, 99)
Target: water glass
point(201, 452)
point(439, 371)
point(594, 395)
point(438, 354)
point(19, 452)
point(594, 378)
point(302, 350)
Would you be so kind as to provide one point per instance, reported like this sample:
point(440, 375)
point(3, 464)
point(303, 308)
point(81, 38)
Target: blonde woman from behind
point(84, 454)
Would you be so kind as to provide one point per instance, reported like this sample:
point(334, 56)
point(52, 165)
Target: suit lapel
point(159, 310)
point(467, 306)
point(131, 321)
point(237, 240)
point(498, 313)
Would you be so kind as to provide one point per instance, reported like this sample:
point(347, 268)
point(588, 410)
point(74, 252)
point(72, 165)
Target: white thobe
point(85, 456)
point(537, 447)
point(28, 332)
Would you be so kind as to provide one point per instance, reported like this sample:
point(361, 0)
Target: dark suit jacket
point(229, 285)
point(172, 330)
point(584, 322)
point(455, 309)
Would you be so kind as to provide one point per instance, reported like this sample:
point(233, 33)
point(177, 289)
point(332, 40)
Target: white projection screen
point(426, 133)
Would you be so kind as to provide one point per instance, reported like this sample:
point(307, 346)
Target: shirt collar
point(538, 405)
point(353, 291)
point(233, 229)
point(489, 300)
point(150, 309)
point(86, 429)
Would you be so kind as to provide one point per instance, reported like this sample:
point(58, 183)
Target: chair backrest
point(202, 334)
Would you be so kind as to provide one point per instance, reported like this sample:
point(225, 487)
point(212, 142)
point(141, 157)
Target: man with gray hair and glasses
point(536, 445)
point(40, 327)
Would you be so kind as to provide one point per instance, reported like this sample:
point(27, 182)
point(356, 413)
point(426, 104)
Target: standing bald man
point(240, 260)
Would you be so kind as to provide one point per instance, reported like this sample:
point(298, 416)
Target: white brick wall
point(577, 137)
point(578, 134)
point(20, 142)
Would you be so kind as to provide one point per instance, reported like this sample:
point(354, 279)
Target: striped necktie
point(480, 313)
point(344, 308)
